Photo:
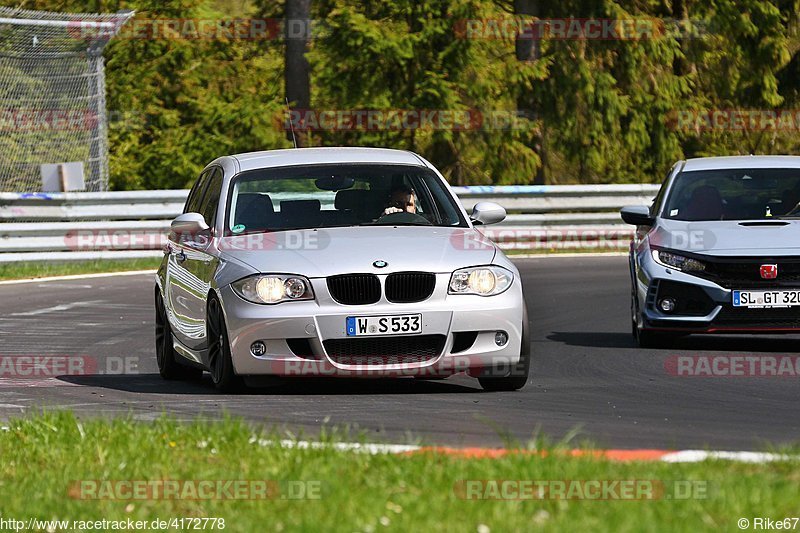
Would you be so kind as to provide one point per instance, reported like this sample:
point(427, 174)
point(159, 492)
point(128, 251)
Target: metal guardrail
point(127, 224)
point(123, 205)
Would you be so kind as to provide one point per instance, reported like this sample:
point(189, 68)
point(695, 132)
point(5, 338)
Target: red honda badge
point(769, 271)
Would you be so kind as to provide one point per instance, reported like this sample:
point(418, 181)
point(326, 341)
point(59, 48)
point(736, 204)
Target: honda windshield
point(740, 194)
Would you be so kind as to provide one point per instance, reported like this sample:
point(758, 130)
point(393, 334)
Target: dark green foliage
point(592, 111)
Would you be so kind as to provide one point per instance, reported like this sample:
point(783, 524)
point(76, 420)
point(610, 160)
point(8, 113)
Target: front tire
point(646, 338)
point(166, 357)
point(220, 363)
point(518, 377)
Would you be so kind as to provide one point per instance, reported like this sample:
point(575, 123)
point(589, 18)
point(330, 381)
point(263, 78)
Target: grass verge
point(52, 462)
point(10, 271)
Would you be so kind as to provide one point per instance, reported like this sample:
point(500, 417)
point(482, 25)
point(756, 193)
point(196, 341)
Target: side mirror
point(189, 224)
point(487, 213)
point(638, 215)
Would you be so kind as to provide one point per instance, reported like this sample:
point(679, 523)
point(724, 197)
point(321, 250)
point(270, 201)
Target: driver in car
point(401, 199)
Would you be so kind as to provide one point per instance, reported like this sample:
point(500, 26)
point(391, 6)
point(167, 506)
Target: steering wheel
point(403, 217)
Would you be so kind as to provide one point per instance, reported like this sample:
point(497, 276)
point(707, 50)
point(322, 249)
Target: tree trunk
point(527, 49)
point(679, 16)
point(297, 73)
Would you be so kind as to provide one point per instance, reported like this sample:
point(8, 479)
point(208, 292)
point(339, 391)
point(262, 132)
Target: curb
point(666, 456)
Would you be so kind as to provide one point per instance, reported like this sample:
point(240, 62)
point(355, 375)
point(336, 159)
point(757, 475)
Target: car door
point(180, 289)
point(198, 261)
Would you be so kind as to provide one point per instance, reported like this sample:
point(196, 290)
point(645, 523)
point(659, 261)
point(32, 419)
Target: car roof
point(321, 156)
point(742, 161)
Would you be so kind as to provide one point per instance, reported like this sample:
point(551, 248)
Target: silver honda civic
point(336, 262)
point(718, 251)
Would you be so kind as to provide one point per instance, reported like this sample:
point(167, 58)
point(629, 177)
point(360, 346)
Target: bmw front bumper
point(295, 334)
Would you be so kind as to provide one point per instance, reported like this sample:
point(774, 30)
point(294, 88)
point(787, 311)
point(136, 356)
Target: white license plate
point(766, 299)
point(383, 325)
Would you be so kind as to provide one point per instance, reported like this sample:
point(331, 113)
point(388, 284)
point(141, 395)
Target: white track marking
point(58, 308)
point(67, 286)
point(35, 382)
point(696, 456)
point(368, 448)
point(78, 276)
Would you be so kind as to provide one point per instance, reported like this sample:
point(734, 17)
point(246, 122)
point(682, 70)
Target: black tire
point(646, 338)
point(220, 364)
point(166, 358)
point(518, 377)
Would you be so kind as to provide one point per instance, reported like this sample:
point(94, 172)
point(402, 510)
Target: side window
point(208, 207)
point(658, 201)
point(432, 195)
point(424, 207)
point(196, 194)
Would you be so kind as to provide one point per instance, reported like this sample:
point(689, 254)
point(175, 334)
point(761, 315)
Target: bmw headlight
point(273, 288)
point(483, 281)
point(678, 262)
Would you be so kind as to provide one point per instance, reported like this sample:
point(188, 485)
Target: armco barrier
point(86, 226)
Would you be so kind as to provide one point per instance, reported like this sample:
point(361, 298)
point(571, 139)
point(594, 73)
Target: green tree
point(593, 111)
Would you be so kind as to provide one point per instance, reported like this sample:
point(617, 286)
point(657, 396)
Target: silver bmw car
point(336, 262)
point(718, 251)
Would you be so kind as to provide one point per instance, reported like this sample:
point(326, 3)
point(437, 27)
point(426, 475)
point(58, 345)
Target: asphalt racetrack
point(588, 378)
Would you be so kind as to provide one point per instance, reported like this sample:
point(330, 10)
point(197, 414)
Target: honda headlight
point(273, 288)
point(678, 262)
point(483, 281)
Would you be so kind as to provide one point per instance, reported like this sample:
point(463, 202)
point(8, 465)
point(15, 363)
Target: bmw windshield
point(741, 194)
point(324, 196)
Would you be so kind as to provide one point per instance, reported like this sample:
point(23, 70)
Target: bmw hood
point(730, 238)
point(330, 251)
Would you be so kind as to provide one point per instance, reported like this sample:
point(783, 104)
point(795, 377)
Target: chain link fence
point(52, 95)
